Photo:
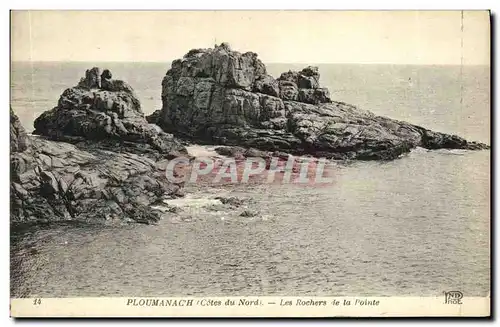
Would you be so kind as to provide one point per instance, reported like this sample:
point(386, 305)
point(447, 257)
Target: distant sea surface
point(418, 225)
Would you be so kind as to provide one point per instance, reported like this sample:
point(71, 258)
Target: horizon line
point(266, 63)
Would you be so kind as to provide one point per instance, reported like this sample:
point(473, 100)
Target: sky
point(365, 37)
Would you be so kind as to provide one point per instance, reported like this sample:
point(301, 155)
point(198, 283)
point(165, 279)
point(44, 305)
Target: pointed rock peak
point(102, 79)
point(106, 74)
point(92, 79)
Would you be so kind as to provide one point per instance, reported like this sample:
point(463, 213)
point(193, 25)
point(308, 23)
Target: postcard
point(250, 164)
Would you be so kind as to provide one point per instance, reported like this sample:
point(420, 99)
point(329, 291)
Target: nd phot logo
point(453, 297)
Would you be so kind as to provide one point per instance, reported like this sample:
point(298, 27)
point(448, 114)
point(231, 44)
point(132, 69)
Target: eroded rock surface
point(57, 181)
point(18, 138)
point(111, 169)
point(221, 96)
point(100, 108)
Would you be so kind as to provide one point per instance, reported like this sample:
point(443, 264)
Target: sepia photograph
point(250, 163)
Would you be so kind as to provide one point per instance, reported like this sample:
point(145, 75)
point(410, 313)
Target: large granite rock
point(100, 108)
point(220, 96)
point(57, 181)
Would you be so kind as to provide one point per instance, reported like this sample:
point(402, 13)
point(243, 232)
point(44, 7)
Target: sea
point(415, 226)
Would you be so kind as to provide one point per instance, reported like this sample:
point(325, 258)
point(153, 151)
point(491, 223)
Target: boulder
point(288, 90)
point(100, 108)
point(310, 71)
point(266, 84)
point(290, 76)
point(314, 96)
point(307, 82)
point(303, 86)
point(307, 78)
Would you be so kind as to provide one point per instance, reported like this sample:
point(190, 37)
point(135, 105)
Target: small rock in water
point(216, 207)
point(175, 209)
point(248, 213)
point(187, 219)
point(233, 201)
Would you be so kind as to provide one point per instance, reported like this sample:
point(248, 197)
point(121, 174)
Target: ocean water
point(419, 225)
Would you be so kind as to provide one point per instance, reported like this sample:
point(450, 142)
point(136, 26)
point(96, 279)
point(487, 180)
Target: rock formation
point(112, 173)
point(110, 167)
point(102, 109)
point(18, 137)
point(57, 181)
point(221, 96)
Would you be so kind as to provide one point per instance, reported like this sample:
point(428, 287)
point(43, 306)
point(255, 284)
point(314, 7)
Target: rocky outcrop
point(221, 96)
point(111, 169)
point(18, 137)
point(100, 108)
point(57, 181)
